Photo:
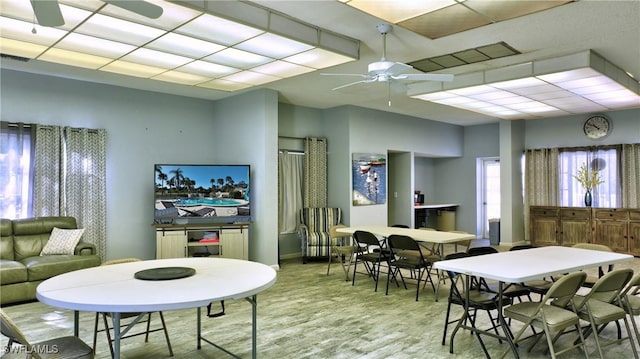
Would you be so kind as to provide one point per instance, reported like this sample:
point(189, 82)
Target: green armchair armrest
point(85, 248)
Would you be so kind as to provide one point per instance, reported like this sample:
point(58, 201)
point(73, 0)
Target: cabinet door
point(634, 233)
point(612, 233)
point(575, 226)
point(543, 226)
point(234, 243)
point(170, 244)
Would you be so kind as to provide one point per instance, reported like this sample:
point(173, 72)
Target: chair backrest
point(320, 219)
point(398, 243)
point(633, 287)
point(593, 246)
point(454, 256)
point(333, 231)
point(521, 247)
point(10, 330)
point(338, 238)
point(478, 251)
point(120, 260)
point(364, 238)
point(608, 288)
point(564, 289)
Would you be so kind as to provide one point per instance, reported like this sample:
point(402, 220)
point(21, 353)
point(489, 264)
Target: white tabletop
point(113, 288)
point(439, 237)
point(528, 264)
point(436, 206)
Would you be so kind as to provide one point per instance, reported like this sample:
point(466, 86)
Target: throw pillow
point(62, 241)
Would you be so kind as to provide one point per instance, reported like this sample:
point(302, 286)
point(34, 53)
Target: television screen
point(202, 193)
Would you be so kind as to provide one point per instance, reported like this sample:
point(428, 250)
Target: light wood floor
point(307, 314)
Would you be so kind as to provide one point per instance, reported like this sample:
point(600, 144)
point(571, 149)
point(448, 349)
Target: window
point(15, 171)
point(606, 160)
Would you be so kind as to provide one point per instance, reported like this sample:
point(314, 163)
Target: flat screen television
point(188, 193)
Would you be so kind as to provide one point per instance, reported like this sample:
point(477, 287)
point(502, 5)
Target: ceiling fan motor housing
point(379, 67)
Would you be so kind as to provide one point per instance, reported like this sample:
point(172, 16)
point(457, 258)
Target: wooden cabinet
point(190, 240)
point(617, 228)
point(559, 226)
point(575, 226)
point(543, 228)
point(634, 232)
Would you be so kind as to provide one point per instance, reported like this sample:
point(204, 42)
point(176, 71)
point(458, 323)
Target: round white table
point(113, 289)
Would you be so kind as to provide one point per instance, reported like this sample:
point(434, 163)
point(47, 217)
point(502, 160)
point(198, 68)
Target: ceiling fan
point(390, 72)
point(48, 11)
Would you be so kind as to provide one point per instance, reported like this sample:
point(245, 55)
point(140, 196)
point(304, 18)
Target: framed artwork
point(369, 173)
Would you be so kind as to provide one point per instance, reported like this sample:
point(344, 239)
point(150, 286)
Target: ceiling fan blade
point(47, 12)
point(357, 75)
point(425, 77)
point(397, 68)
point(351, 84)
point(139, 7)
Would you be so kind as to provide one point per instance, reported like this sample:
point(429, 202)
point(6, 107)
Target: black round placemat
point(165, 273)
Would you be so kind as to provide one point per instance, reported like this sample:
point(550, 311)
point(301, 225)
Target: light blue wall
point(455, 178)
point(567, 131)
point(145, 128)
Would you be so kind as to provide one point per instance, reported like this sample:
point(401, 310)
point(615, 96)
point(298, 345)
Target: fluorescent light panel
point(558, 90)
point(188, 45)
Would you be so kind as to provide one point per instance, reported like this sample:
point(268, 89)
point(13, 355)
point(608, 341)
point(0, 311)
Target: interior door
point(490, 192)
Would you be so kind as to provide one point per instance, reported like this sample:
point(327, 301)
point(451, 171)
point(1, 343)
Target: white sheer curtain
point(70, 178)
point(631, 175)
point(290, 180)
point(572, 193)
point(16, 170)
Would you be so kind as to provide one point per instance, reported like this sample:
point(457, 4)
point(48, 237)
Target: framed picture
point(369, 173)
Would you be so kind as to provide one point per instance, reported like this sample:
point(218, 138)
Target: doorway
point(489, 201)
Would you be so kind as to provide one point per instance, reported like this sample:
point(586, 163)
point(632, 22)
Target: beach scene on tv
point(188, 191)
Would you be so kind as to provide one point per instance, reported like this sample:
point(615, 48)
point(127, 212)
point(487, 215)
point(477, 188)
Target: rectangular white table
point(439, 238)
point(522, 266)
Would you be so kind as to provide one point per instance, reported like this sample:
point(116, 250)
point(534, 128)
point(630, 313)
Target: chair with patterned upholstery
point(314, 230)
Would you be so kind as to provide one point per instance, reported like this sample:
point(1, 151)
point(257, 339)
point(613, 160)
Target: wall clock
point(596, 127)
